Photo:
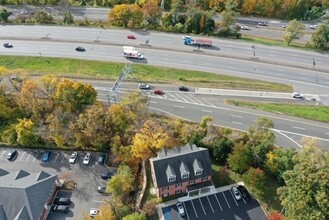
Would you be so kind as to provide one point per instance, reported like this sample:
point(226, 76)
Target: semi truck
point(131, 52)
point(198, 42)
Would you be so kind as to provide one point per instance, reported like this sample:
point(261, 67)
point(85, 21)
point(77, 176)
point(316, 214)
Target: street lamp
point(316, 74)
point(254, 56)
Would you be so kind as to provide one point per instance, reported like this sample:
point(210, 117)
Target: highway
point(107, 45)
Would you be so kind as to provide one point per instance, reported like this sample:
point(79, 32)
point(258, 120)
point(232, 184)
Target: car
point(74, 157)
point(158, 92)
point(106, 175)
point(132, 37)
point(93, 212)
point(236, 193)
point(144, 86)
point(314, 26)
point(46, 156)
point(180, 209)
point(183, 88)
point(284, 26)
point(11, 155)
point(298, 95)
point(244, 192)
point(86, 160)
point(61, 208)
point(8, 45)
point(101, 189)
point(62, 201)
point(262, 23)
point(245, 27)
point(80, 49)
point(101, 159)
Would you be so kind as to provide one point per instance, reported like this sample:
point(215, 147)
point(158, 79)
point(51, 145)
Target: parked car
point(236, 193)
point(86, 160)
point(74, 157)
point(132, 37)
point(11, 155)
point(80, 49)
point(8, 45)
point(284, 26)
point(180, 209)
point(61, 208)
point(46, 156)
point(244, 192)
point(183, 88)
point(314, 26)
point(106, 175)
point(144, 86)
point(298, 95)
point(244, 27)
point(262, 23)
point(93, 212)
point(101, 159)
point(158, 92)
point(62, 201)
point(101, 189)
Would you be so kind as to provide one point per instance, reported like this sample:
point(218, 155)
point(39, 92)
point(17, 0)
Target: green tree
point(4, 15)
point(240, 159)
point(293, 31)
point(229, 14)
point(321, 37)
point(306, 194)
point(68, 17)
point(222, 149)
point(256, 178)
point(135, 216)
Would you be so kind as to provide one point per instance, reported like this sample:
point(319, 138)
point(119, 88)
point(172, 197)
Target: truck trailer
point(198, 42)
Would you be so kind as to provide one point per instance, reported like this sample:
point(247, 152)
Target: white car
point(93, 212)
point(298, 95)
point(180, 209)
point(313, 26)
point(236, 193)
point(244, 27)
point(74, 157)
point(86, 160)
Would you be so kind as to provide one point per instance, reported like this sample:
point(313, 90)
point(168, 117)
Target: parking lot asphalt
point(87, 177)
point(219, 206)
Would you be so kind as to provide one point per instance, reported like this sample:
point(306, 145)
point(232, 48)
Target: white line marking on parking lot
point(300, 128)
point(210, 103)
point(2, 153)
point(153, 102)
point(207, 111)
point(234, 198)
point(210, 205)
point(97, 201)
point(235, 122)
point(188, 217)
point(35, 156)
point(178, 106)
point(218, 202)
point(22, 156)
point(62, 159)
point(202, 207)
point(56, 158)
point(28, 157)
point(236, 116)
point(244, 200)
point(194, 209)
point(226, 200)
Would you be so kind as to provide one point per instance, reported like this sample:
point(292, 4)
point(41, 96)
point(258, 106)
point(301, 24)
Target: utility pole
point(316, 73)
point(254, 57)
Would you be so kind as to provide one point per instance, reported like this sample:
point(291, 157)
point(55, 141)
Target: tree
point(4, 15)
point(222, 149)
point(229, 14)
point(306, 194)
point(126, 15)
point(321, 37)
point(240, 159)
point(68, 17)
point(41, 17)
point(135, 216)
point(293, 31)
point(150, 208)
point(152, 14)
point(26, 133)
point(275, 216)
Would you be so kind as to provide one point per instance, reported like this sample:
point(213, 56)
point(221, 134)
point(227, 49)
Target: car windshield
point(72, 156)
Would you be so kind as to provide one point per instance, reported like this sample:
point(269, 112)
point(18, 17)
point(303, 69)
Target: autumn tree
point(275, 216)
point(229, 14)
point(256, 178)
point(152, 14)
point(150, 208)
point(293, 31)
point(321, 37)
point(222, 149)
point(126, 15)
point(27, 133)
point(240, 159)
point(305, 194)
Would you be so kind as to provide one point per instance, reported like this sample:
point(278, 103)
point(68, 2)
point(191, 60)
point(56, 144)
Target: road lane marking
point(288, 137)
point(191, 100)
point(35, 156)
point(236, 116)
point(194, 209)
point(226, 200)
point(210, 205)
point(62, 159)
point(22, 156)
point(173, 96)
point(188, 217)
point(300, 128)
point(207, 111)
point(212, 105)
point(153, 102)
point(235, 122)
point(182, 98)
point(234, 198)
point(202, 207)
point(218, 202)
point(179, 106)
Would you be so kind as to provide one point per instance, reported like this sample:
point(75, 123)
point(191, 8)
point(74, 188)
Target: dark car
point(62, 201)
point(101, 189)
point(158, 92)
point(80, 49)
point(61, 208)
point(11, 155)
point(131, 37)
point(262, 24)
point(183, 88)
point(244, 192)
point(8, 45)
point(106, 175)
point(46, 156)
point(101, 159)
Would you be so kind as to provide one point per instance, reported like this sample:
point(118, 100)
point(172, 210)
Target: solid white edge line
point(288, 138)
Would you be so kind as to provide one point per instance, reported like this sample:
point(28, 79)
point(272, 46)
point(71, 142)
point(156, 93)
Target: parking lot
point(221, 205)
point(87, 177)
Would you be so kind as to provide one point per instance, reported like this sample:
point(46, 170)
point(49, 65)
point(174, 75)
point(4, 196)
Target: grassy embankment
point(109, 70)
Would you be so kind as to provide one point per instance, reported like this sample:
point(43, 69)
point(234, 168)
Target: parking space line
point(202, 207)
point(56, 157)
point(244, 200)
point(210, 103)
point(226, 200)
point(194, 209)
point(234, 198)
point(35, 157)
point(210, 205)
point(188, 217)
point(2, 153)
point(63, 159)
point(218, 202)
point(22, 156)
point(28, 156)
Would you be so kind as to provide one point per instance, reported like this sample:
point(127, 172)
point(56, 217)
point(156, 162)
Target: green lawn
point(110, 70)
point(312, 112)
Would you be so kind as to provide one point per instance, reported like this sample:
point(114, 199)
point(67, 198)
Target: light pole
point(316, 74)
point(254, 56)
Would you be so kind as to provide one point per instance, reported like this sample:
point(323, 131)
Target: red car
point(131, 37)
point(158, 92)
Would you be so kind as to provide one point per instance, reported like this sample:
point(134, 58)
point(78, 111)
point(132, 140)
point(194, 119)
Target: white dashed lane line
point(235, 122)
point(236, 116)
point(207, 111)
point(153, 102)
point(178, 106)
point(300, 128)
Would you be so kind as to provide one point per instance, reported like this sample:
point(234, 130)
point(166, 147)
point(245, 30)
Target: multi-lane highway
point(230, 57)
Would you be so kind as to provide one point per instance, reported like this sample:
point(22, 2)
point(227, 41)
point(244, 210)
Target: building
point(26, 196)
point(184, 169)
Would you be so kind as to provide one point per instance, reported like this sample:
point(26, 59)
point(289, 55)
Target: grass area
point(109, 70)
point(316, 113)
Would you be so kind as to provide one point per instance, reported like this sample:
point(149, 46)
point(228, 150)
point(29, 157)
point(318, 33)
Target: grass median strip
point(110, 70)
point(316, 113)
